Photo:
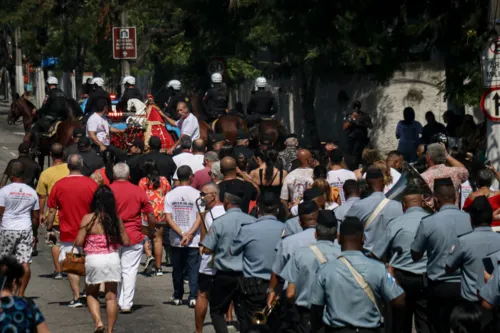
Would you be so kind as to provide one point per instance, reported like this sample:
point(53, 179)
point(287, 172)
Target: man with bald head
point(397, 238)
point(231, 182)
point(298, 180)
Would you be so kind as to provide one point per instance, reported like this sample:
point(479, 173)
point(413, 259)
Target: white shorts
point(65, 248)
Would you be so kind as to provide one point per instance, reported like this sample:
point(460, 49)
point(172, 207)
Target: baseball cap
point(138, 143)
point(24, 148)
point(78, 132)
point(83, 143)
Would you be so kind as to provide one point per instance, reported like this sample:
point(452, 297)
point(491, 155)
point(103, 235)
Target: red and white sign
point(490, 104)
point(124, 43)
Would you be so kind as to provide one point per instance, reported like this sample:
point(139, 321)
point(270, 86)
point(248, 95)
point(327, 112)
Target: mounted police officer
point(53, 109)
point(130, 92)
point(176, 96)
point(216, 98)
point(262, 104)
point(96, 92)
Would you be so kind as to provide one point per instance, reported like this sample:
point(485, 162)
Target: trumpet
point(260, 317)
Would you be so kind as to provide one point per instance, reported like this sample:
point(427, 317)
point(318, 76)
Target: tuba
point(410, 176)
point(260, 317)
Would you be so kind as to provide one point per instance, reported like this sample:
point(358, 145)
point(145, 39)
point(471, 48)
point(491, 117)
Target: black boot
point(35, 143)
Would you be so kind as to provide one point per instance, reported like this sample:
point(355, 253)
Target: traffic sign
point(490, 104)
point(217, 65)
point(490, 63)
point(124, 43)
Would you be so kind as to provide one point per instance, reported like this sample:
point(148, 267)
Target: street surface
point(152, 312)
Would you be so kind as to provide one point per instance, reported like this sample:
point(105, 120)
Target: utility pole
point(19, 63)
point(493, 128)
point(124, 63)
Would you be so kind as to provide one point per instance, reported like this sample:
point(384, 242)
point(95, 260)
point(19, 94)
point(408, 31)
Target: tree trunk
point(81, 51)
point(309, 83)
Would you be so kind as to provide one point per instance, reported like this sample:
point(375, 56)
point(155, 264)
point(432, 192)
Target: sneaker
point(176, 301)
point(57, 276)
point(149, 264)
point(126, 311)
point(192, 303)
point(158, 272)
point(76, 303)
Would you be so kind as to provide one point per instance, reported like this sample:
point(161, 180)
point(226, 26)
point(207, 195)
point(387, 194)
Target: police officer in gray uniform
point(351, 194)
point(347, 306)
point(256, 243)
point(375, 211)
point(470, 249)
point(225, 287)
point(308, 215)
point(398, 237)
point(300, 271)
point(292, 226)
point(437, 234)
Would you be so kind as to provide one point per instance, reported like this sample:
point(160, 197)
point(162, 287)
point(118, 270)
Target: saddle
point(52, 130)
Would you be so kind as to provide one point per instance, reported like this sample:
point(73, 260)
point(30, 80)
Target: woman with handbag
point(18, 314)
point(101, 233)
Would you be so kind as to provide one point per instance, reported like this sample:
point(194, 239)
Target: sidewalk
point(4, 106)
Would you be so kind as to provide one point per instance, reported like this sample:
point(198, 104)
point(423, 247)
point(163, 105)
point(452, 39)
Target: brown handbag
point(74, 263)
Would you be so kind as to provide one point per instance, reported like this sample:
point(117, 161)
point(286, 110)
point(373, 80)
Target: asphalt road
point(152, 312)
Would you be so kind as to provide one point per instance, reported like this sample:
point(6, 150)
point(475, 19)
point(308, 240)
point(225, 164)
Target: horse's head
point(14, 112)
point(21, 107)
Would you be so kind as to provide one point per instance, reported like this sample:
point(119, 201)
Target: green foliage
point(180, 37)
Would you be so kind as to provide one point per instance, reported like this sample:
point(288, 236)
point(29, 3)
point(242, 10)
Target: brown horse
point(229, 125)
point(23, 108)
point(272, 127)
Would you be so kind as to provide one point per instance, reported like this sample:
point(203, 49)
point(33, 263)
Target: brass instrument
point(260, 317)
point(410, 176)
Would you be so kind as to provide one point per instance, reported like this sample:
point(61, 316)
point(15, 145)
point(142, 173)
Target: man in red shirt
point(131, 204)
point(72, 196)
point(203, 176)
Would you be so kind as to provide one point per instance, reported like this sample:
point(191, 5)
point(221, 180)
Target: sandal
point(99, 330)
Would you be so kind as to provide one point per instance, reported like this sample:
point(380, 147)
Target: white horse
point(139, 107)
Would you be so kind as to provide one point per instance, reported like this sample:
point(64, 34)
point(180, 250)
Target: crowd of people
point(290, 240)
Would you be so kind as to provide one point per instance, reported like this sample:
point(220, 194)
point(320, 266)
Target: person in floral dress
point(155, 126)
point(156, 188)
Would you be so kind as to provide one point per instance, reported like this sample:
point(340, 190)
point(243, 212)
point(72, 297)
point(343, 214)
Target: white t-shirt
point(19, 200)
point(181, 203)
point(189, 126)
point(296, 183)
point(206, 264)
point(195, 162)
point(98, 124)
point(465, 191)
point(337, 178)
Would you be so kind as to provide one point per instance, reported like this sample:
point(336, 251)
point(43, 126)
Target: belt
point(350, 329)
point(229, 273)
point(406, 273)
point(257, 279)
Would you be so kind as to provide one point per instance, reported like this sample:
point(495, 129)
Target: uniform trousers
point(415, 304)
point(442, 297)
point(130, 259)
point(253, 298)
point(225, 289)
